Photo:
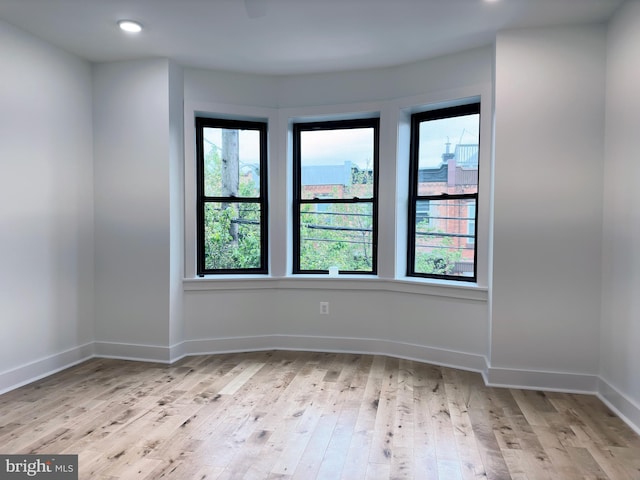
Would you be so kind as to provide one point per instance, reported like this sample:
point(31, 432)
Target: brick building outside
point(447, 224)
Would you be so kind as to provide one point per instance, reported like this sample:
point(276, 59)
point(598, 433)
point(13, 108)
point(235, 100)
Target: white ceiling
point(288, 36)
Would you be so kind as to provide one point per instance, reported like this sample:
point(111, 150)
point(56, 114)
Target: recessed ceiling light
point(130, 26)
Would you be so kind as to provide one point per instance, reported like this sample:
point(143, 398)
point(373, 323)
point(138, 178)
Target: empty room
point(305, 239)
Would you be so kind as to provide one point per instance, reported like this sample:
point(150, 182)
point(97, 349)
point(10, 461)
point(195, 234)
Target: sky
point(434, 135)
point(334, 147)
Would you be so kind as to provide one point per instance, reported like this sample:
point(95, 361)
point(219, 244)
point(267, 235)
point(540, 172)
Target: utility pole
point(230, 172)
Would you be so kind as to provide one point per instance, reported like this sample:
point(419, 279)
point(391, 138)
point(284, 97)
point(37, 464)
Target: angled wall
point(620, 355)
point(136, 144)
point(46, 208)
point(549, 144)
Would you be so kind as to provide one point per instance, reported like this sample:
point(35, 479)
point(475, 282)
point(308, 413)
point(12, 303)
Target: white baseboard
point(537, 380)
point(437, 356)
point(622, 405)
point(177, 351)
point(132, 351)
point(43, 367)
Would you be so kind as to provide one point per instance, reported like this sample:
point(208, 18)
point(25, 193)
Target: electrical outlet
point(324, 308)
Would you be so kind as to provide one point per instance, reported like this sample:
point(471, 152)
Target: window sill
point(439, 288)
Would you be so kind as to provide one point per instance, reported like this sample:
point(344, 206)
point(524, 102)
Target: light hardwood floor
point(293, 415)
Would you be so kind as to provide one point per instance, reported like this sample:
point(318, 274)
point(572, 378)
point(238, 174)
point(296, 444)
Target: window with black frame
point(443, 193)
point(232, 196)
point(335, 196)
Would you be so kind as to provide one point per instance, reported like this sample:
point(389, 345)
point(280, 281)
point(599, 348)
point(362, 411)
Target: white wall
point(46, 208)
point(362, 318)
point(440, 74)
point(549, 145)
point(132, 207)
point(459, 70)
point(620, 360)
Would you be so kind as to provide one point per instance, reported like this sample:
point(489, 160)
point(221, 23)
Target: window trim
point(298, 201)
point(201, 199)
point(414, 198)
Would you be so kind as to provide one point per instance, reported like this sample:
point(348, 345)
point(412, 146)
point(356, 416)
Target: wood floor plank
point(305, 416)
point(360, 446)
point(488, 416)
point(381, 448)
point(315, 448)
point(589, 468)
point(327, 450)
point(293, 437)
point(239, 379)
point(446, 450)
point(563, 463)
point(336, 452)
point(465, 441)
point(378, 471)
point(402, 447)
point(426, 380)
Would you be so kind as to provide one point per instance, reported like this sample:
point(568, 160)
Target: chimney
point(451, 172)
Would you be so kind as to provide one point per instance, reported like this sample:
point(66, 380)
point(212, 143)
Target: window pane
point(337, 234)
point(231, 235)
point(443, 243)
point(448, 155)
point(337, 163)
point(231, 162)
point(471, 222)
